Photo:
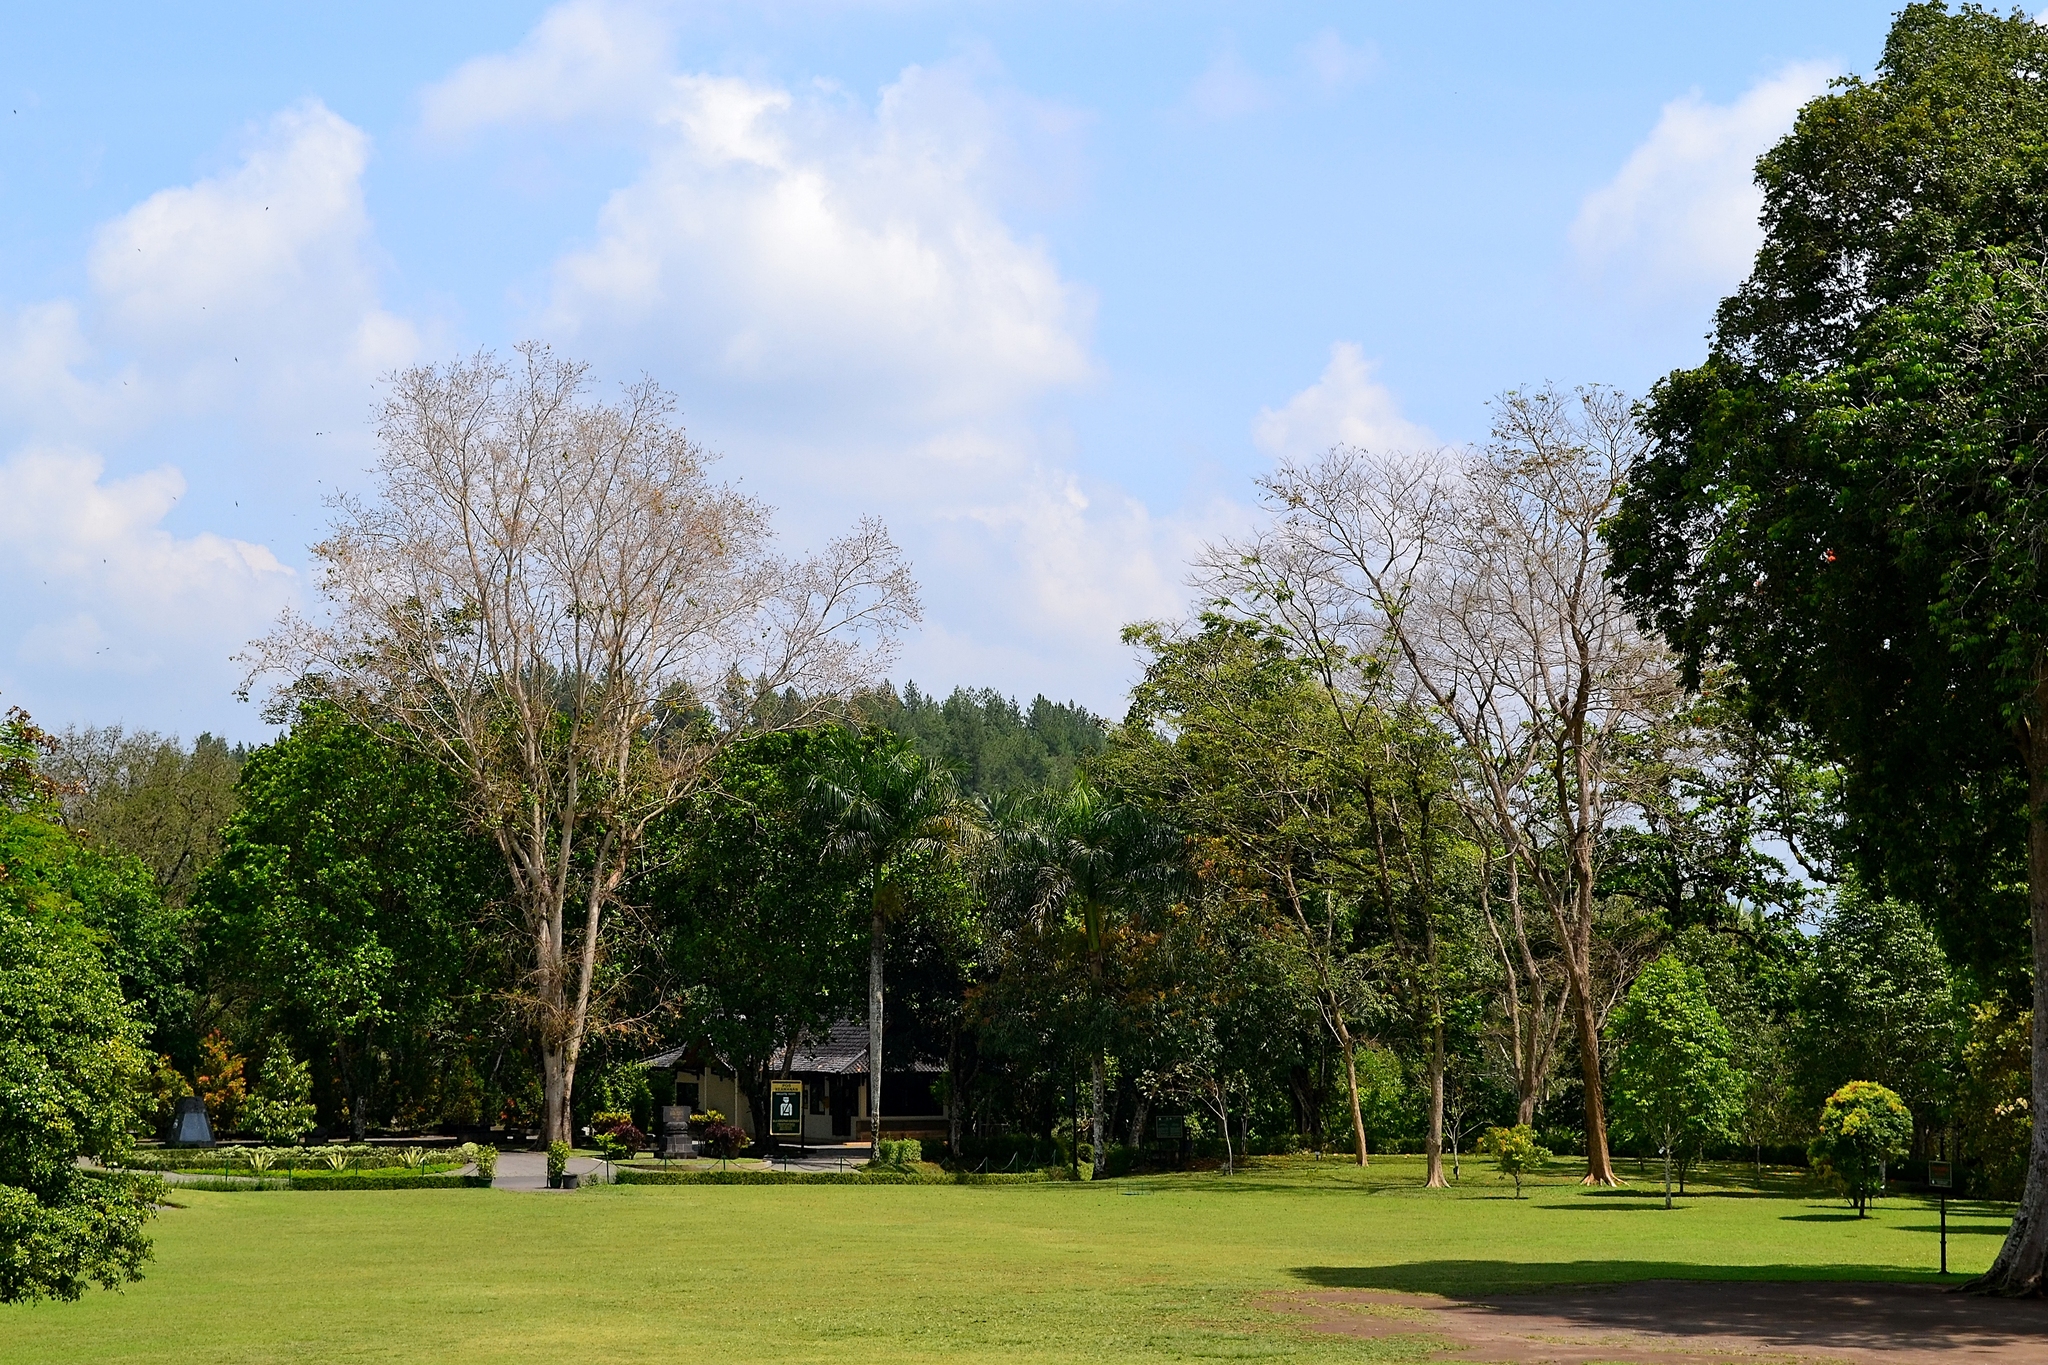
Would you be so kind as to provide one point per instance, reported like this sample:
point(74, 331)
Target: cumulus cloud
point(773, 242)
point(104, 586)
point(1345, 406)
point(584, 58)
point(1681, 214)
point(256, 284)
point(245, 301)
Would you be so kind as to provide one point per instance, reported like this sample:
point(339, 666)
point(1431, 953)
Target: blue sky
point(1045, 286)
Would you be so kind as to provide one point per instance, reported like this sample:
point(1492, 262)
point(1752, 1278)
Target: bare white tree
point(550, 596)
point(1475, 581)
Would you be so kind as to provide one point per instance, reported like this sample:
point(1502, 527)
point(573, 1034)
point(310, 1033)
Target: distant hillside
point(995, 745)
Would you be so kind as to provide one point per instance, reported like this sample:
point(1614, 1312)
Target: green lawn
point(1164, 1268)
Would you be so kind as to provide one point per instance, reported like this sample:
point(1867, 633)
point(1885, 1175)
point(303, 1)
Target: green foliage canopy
point(1674, 1084)
point(1862, 1126)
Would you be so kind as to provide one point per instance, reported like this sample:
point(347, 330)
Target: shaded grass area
point(1154, 1268)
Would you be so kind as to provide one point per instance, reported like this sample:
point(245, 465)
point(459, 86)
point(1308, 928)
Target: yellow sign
point(785, 1109)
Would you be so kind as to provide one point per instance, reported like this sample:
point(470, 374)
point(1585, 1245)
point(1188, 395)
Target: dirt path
point(1688, 1322)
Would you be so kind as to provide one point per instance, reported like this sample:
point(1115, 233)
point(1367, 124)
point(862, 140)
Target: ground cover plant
point(1153, 1268)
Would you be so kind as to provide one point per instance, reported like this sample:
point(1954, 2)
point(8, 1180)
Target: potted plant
point(558, 1167)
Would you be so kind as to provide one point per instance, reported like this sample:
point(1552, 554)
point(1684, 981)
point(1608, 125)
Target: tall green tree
point(346, 904)
point(992, 744)
point(1879, 1004)
point(1674, 1082)
point(763, 932)
point(1842, 502)
point(70, 1060)
point(1086, 864)
point(149, 796)
point(886, 807)
point(1231, 737)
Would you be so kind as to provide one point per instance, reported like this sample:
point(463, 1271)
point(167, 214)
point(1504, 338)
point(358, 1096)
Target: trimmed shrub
point(640, 1175)
point(382, 1180)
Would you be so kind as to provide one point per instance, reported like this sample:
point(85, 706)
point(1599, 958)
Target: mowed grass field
point(1178, 1267)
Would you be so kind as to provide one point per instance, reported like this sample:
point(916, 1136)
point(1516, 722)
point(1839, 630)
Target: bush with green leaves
point(899, 1153)
point(1515, 1152)
point(558, 1159)
point(486, 1159)
point(1862, 1126)
point(281, 1109)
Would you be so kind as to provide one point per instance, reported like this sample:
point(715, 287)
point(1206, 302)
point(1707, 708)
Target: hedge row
point(385, 1180)
point(633, 1175)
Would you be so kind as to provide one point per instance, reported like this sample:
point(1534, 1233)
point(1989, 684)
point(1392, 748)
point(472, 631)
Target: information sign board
point(785, 1109)
point(1940, 1176)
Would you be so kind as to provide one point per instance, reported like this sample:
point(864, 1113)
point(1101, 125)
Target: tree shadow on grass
point(1463, 1279)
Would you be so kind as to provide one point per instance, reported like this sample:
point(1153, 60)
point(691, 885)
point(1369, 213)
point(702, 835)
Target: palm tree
point(885, 804)
point(1085, 862)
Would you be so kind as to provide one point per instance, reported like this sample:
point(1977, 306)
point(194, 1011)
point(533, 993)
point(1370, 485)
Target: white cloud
point(101, 585)
point(234, 314)
point(1681, 214)
point(1345, 406)
point(1227, 89)
point(777, 242)
point(255, 286)
point(584, 58)
point(1335, 63)
point(835, 278)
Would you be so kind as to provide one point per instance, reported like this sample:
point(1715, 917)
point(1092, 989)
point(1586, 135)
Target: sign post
point(786, 1109)
point(1941, 1176)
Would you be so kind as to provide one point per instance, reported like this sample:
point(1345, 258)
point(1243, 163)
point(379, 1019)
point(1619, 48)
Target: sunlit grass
point(1157, 1268)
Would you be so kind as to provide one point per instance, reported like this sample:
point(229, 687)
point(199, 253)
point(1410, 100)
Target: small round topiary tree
point(1862, 1126)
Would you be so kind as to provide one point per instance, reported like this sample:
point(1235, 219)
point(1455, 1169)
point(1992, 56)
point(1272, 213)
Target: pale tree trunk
point(953, 1094)
point(875, 941)
point(2022, 1264)
point(1350, 1047)
point(1223, 1115)
point(1599, 1168)
point(1579, 964)
point(1435, 1143)
point(1098, 1126)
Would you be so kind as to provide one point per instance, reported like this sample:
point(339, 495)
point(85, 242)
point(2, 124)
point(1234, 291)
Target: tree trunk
point(875, 942)
point(353, 1061)
point(953, 1094)
point(1142, 1112)
point(1351, 1080)
point(1435, 1142)
point(2022, 1262)
point(1667, 1172)
point(1098, 1126)
point(1223, 1112)
point(557, 1085)
point(1599, 1168)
